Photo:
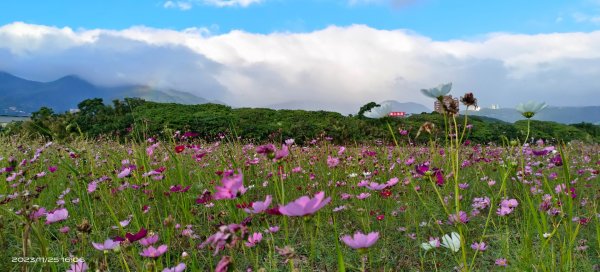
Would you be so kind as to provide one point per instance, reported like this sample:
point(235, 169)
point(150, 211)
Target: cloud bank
point(337, 68)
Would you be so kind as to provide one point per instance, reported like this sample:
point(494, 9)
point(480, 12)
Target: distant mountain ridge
point(20, 96)
point(565, 115)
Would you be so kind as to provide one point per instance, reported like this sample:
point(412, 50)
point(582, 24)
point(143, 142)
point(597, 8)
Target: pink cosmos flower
point(107, 245)
point(501, 262)
point(79, 266)
point(376, 186)
point(254, 239)
point(223, 264)
point(57, 215)
point(259, 206)
point(360, 240)
point(52, 169)
point(149, 240)
point(124, 173)
point(332, 161)
point(281, 153)
point(305, 205)
point(479, 246)
point(64, 229)
point(179, 268)
point(152, 252)
point(363, 195)
point(232, 187)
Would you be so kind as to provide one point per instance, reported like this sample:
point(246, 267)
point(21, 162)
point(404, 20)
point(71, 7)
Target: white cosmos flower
point(441, 90)
point(530, 108)
point(383, 110)
point(451, 241)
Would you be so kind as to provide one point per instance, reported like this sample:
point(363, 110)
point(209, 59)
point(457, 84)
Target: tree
point(366, 107)
point(42, 113)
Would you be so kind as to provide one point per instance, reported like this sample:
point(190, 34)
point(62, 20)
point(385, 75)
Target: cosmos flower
point(79, 266)
point(305, 205)
point(281, 153)
point(479, 246)
point(529, 109)
point(147, 241)
point(259, 206)
point(332, 161)
point(381, 111)
point(179, 268)
point(232, 187)
point(451, 241)
point(360, 240)
point(107, 245)
point(438, 92)
point(501, 262)
point(152, 252)
point(124, 173)
point(57, 215)
point(254, 239)
point(434, 242)
point(223, 264)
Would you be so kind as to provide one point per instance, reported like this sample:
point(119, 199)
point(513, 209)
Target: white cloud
point(182, 5)
point(338, 67)
point(585, 18)
point(394, 3)
point(188, 4)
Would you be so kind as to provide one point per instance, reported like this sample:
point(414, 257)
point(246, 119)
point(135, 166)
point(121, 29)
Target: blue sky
point(323, 54)
point(438, 19)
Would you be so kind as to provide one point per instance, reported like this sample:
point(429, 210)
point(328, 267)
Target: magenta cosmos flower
point(152, 252)
point(259, 206)
point(361, 240)
point(57, 215)
point(305, 205)
point(232, 187)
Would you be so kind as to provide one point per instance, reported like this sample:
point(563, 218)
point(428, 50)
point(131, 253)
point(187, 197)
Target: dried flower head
point(469, 100)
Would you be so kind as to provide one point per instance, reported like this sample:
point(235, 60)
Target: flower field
point(187, 205)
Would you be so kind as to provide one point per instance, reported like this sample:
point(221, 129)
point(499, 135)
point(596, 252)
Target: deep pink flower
point(360, 240)
point(57, 215)
point(305, 205)
point(107, 245)
point(232, 187)
point(152, 252)
point(137, 236)
point(265, 149)
point(259, 206)
point(52, 169)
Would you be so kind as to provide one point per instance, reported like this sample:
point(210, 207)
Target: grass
point(551, 229)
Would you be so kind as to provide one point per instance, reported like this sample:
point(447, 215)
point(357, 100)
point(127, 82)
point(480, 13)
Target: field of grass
point(178, 204)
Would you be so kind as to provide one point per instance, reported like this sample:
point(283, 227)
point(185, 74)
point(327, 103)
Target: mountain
point(408, 107)
point(565, 115)
point(20, 96)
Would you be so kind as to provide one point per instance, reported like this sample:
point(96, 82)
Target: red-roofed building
point(397, 114)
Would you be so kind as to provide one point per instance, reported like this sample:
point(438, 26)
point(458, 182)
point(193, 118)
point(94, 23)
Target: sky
point(332, 54)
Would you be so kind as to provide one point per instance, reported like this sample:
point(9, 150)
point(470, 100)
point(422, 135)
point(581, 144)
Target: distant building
point(439, 108)
point(495, 107)
point(397, 114)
